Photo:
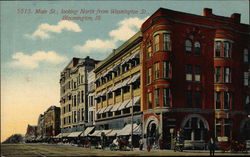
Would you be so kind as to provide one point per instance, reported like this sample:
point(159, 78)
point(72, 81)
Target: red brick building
point(195, 77)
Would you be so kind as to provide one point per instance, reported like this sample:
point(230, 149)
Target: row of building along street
point(181, 77)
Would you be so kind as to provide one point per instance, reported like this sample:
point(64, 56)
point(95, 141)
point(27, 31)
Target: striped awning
point(136, 102)
point(108, 108)
point(75, 134)
point(124, 103)
point(87, 131)
point(116, 106)
point(134, 78)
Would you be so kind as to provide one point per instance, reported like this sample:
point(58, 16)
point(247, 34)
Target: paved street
point(67, 150)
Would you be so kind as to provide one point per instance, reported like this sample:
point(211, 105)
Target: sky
point(38, 40)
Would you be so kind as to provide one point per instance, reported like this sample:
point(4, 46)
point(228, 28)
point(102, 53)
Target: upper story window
point(166, 69)
point(189, 98)
point(217, 48)
point(198, 99)
point(226, 45)
point(149, 100)
point(156, 70)
point(246, 56)
point(148, 77)
point(156, 97)
point(166, 97)
point(149, 51)
point(223, 49)
point(217, 100)
point(217, 74)
point(197, 48)
point(189, 71)
point(197, 72)
point(227, 99)
point(247, 103)
point(166, 42)
point(246, 78)
point(156, 43)
point(227, 73)
point(188, 47)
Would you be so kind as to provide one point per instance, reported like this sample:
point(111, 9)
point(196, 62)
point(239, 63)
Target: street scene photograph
point(125, 78)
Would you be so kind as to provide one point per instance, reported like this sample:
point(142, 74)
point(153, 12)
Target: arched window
point(197, 48)
point(188, 46)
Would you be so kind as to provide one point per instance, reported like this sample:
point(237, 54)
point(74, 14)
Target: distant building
point(74, 98)
point(52, 121)
point(31, 133)
point(40, 127)
point(91, 100)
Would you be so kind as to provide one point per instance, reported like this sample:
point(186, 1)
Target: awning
point(103, 93)
point(113, 132)
point(128, 129)
point(116, 106)
point(108, 108)
point(75, 134)
point(125, 82)
point(134, 78)
point(117, 86)
point(59, 135)
point(124, 103)
point(87, 131)
point(99, 132)
point(101, 110)
point(65, 134)
point(136, 102)
point(97, 112)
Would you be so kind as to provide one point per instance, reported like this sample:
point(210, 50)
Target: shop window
point(156, 70)
point(197, 48)
point(156, 42)
point(189, 71)
point(156, 97)
point(166, 42)
point(188, 47)
point(227, 128)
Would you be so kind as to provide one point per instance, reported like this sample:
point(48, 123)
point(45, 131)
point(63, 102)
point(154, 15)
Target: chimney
point(207, 12)
point(236, 17)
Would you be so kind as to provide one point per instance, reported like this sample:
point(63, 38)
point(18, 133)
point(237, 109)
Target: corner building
point(195, 77)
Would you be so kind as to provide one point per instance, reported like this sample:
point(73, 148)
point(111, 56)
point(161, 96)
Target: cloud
point(126, 29)
point(44, 29)
point(97, 45)
point(32, 61)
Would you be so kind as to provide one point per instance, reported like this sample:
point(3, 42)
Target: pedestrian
point(211, 146)
point(141, 144)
